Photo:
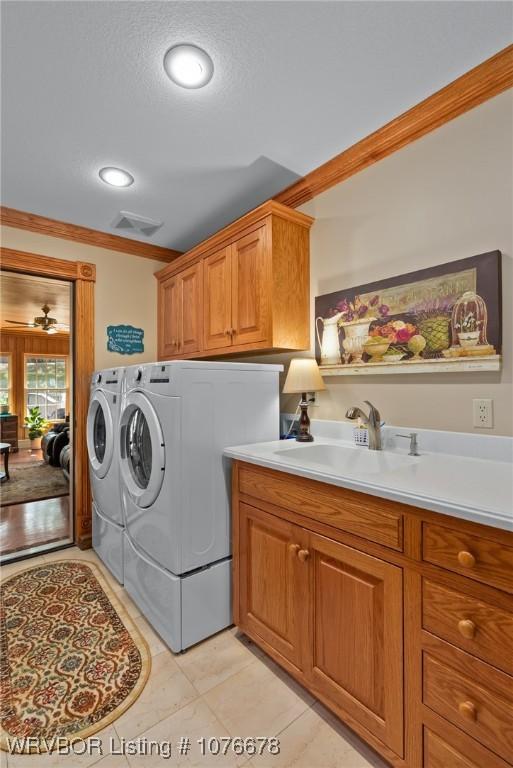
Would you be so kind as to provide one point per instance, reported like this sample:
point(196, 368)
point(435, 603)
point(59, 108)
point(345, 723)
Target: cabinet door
point(192, 310)
point(217, 283)
point(169, 318)
point(251, 289)
point(272, 582)
point(356, 654)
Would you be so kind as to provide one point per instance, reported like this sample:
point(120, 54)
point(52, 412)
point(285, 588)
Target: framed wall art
point(443, 318)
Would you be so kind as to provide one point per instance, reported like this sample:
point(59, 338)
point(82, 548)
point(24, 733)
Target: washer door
point(100, 434)
point(142, 450)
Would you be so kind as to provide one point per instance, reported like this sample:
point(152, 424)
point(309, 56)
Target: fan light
point(188, 66)
point(51, 330)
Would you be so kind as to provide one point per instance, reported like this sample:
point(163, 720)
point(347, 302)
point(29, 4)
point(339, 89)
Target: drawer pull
point(467, 628)
point(294, 549)
point(303, 555)
point(466, 559)
point(467, 710)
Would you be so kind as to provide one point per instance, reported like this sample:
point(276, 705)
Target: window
point(5, 379)
point(46, 385)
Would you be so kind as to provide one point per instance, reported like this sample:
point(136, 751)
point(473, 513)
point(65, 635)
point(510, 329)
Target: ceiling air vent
point(141, 224)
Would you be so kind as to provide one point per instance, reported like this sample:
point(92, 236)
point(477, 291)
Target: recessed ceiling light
point(116, 177)
point(188, 66)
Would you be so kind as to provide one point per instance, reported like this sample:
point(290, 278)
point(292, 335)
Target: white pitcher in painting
point(329, 343)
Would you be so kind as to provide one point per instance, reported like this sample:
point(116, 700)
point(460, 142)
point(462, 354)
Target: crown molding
point(10, 217)
point(485, 81)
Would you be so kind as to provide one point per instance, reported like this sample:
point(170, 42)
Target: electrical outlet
point(483, 413)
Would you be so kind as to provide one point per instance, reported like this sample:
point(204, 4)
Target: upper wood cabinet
point(217, 309)
point(191, 293)
point(251, 290)
point(168, 317)
point(251, 281)
point(180, 313)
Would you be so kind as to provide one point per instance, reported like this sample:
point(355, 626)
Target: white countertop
point(467, 487)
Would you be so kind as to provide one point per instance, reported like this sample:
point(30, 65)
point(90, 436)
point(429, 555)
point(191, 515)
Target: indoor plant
point(37, 426)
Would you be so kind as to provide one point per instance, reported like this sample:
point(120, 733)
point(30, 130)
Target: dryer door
point(142, 450)
point(100, 434)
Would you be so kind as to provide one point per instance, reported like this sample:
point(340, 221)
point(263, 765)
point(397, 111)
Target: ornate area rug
point(33, 483)
point(71, 660)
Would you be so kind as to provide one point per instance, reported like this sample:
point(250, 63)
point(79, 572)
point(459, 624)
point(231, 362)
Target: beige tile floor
point(222, 687)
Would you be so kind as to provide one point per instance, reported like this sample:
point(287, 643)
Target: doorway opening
point(36, 414)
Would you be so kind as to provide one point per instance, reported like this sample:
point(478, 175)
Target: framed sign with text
point(125, 339)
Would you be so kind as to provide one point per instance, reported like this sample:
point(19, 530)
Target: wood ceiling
point(22, 296)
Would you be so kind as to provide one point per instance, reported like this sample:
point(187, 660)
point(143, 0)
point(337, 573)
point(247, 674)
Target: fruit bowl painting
point(443, 318)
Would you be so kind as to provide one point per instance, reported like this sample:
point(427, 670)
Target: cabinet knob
point(294, 548)
point(233, 332)
point(303, 555)
point(466, 559)
point(468, 710)
point(467, 628)
point(228, 332)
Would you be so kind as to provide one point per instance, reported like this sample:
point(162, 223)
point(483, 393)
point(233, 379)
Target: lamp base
point(304, 435)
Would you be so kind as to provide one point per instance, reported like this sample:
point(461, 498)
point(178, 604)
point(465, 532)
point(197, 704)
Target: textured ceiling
point(294, 84)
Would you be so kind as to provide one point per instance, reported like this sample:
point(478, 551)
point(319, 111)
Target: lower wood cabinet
point(273, 583)
point(371, 605)
point(466, 753)
point(355, 655)
point(333, 612)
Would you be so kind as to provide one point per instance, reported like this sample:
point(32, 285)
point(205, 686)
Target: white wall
point(447, 196)
point(125, 290)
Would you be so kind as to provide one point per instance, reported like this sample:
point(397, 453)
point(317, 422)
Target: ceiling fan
point(46, 323)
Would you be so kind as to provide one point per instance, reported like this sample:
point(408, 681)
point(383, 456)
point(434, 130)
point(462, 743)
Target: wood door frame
point(83, 276)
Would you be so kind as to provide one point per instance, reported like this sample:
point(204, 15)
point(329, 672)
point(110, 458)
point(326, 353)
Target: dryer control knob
point(98, 378)
point(139, 375)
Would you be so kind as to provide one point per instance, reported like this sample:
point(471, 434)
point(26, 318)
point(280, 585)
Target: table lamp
point(303, 376)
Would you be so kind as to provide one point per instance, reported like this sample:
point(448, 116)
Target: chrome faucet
point(372, 422)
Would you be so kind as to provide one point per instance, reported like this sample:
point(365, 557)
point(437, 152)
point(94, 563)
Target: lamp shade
point(303, 376)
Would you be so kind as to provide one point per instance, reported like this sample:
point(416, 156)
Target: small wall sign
point(125, 339)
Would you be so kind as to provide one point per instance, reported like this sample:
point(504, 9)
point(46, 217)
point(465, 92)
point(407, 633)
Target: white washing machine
point(177, 418)
point(103, 449)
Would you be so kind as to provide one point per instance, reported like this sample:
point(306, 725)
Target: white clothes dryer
point(177, 417)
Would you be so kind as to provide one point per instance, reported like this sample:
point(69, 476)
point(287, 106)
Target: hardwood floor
point(25, 456)
point(33, 524)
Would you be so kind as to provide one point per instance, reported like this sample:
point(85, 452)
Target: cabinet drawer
point(478, 558)
point(477, 627)
point(439, 753)
point(477, 710)
point(366, 516)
